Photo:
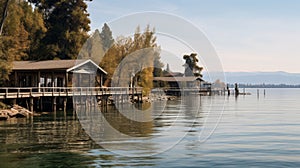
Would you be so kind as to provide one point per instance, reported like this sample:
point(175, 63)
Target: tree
point(141, 53)
point(191, 67)
point(21, 32)
point(168, 68)
point(146, 44)
point(4, 15)
point(68, 25)
point(35, 26)
point(24, 27)
point(106, 37)
point(93, 48)
point(5, 60)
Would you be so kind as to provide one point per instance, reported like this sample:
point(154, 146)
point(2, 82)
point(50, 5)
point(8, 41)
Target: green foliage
point(106, 37)
point(19, 34)
point(67, 23)
point(98, 44)
point(3, 13)
point(141, 53)
point(92, 48)
point(5, 58)
point(191, 67)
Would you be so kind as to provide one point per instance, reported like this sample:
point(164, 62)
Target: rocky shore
point(15, 112)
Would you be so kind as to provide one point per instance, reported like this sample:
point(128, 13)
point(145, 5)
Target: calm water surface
point(256, 131)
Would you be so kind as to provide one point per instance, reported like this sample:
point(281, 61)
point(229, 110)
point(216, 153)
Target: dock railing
point(24, 92)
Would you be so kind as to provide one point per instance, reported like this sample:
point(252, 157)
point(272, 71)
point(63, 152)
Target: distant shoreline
point(265, 86)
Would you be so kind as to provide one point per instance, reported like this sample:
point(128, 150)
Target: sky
point(247, 35)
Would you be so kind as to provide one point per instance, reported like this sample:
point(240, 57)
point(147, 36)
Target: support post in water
point(54, 104)
point(65, 104)
point(31, 104)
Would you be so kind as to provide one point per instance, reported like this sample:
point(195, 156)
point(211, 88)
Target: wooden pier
point(38, 93)
point(175, 91)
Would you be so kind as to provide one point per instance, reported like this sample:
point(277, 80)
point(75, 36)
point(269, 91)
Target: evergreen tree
point(22, 28)
point(191, 67)
point(67, 23)
point(3, 14)
point(106, 37)
point(93, 48)
point(168, 68)
point(35, 26)
point(6, 59)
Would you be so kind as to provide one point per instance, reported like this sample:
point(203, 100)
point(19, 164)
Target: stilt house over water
point(56, 73)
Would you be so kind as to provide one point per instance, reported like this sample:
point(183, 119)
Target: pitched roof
point(67, 65)
point(175, 74)
point(44, 65)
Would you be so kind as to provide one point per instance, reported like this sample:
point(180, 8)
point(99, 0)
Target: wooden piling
point(54, 104)
point(31, 104)
point(65, 104)
point(41, 104)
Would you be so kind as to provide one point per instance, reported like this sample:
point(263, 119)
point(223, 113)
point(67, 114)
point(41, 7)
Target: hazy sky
point(248, 35)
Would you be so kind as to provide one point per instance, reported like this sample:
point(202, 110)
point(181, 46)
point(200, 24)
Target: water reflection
point(140, 129)
point(47, 140)
point(258, 133)
point(137, 130)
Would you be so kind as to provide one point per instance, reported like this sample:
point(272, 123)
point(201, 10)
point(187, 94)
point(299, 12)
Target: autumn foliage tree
point(138, 54)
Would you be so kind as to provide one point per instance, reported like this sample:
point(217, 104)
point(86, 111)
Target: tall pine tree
point(21, 30)
point(68, 25)
point(107, 38)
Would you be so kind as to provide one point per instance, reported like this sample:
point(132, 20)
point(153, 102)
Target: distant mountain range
point(262, 78)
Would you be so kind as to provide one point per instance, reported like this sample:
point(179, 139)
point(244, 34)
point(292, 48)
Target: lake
point(194, 131)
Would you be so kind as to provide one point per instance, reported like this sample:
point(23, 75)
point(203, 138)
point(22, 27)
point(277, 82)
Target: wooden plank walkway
point(31, 92)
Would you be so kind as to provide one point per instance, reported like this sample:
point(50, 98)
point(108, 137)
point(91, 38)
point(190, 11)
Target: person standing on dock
point(236, 89)
point(228, 90)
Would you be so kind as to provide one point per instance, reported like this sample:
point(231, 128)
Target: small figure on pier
point(228, 90)
point(236, 89)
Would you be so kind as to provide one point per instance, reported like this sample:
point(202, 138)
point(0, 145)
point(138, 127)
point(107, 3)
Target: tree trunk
point(4, 15)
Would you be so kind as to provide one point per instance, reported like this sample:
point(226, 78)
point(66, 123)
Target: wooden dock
point(33, 94)
point(175, 91)
point(14, 92)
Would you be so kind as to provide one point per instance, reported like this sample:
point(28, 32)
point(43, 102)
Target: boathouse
point(46, 85)
point(178, 84)
point(56, 73)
